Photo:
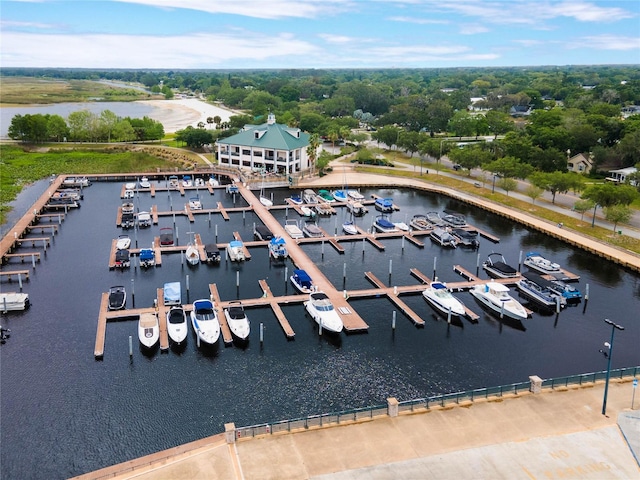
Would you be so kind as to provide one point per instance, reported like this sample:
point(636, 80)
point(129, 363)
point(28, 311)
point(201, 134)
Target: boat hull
point(501, 309)
point(177, 327)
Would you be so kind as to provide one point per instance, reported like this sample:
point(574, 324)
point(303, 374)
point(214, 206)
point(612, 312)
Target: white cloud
point(336, 39)
point(608, 42)
point(266, 9)
point(25, 25)
point(472, 29)
point(588, 12)
point(419, 21)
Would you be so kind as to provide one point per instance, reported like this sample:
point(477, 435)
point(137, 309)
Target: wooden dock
point(162, 319)
point(217, 303)
point(277, 311)
point(34, 256)
point(9, 274)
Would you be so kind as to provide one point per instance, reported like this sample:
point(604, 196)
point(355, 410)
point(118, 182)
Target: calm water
point(75, 414)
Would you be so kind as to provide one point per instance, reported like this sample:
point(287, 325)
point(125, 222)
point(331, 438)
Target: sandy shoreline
point(180, 113)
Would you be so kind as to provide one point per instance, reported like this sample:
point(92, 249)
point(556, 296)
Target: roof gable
point(273, 136)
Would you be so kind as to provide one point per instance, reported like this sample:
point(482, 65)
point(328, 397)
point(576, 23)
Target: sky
point(257, 34)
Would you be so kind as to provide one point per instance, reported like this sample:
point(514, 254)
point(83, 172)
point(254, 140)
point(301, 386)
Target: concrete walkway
point(555, 434)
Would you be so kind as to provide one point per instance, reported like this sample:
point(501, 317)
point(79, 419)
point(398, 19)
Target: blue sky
point(190, 34)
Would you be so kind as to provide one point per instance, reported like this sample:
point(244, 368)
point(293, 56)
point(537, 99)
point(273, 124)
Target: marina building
point(271, 147)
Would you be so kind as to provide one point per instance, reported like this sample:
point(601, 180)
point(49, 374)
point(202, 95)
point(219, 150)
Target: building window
point(246, 152)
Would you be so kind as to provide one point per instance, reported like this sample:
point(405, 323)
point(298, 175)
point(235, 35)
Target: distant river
point(122, 109)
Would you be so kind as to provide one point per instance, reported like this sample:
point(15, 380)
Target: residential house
point(580, 163)
point(520, 111)
point(270, 147)
point(622, 175)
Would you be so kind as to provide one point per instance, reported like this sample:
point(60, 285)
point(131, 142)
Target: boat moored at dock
point(356, 208)
point(496, 266)
point(144, 219)
point(384, 205)
point(123, 259)
point(177, 327)
point(147, 257)
point(278, 248)
point(213, 253)
point(117, 297)
point(235, 250)
point(420, 222)
point(466, 238)
point(262, 232)
point(301, 281)
point(192, 255)
point(533, 287)
point(148, 330)
point(12, 301)
point(321, 310)
point(495, 296)
point(292, 228)
point(237, 321)
point(172, 293)
point(312, 230)
point(443, 238)
point(535, 261)
point(441, 299)
point(383, 225)
point(204, 321)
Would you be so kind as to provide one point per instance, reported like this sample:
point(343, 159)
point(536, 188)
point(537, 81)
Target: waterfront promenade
point(556, 434)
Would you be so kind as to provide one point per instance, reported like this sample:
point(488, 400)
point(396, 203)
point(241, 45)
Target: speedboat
point(12, 301)
point(237, 320)
point(383, 225)
point(213, 253)
point(301, 281)
point(177, 325)
point(312, 230)
point(128, 221)
point(349, 228)
point(537, 262)
point(76, 182)
point(440, 298)
point(130, 186)
point(127, 207)
point(278, 248)
point(129, 193)
point(532, 287)
point(496, 297)
point(401, 226)
point(307, 211)
point(117, 297)
point(309, 196)
point(321, 310)
point(144, 219)
point(420, 222)
point(186, 181)
point(340, 195)
point(326, 196)
point(292, 228)
point(199, 182)
point(355, 195)
point(195, 203)
point(174, 183)
point(356, 208)
point(145, 183)
point(204, 321)
point(435, 219)
point(265, 201)
point(296, 199)
point(166, 236)
point(384, 205)
point(454, 219)
point(235, 249)
point(123, 259)
point(496, 266)
point(192, 255)
point(443, 238)
point(147, 257)
point(172, 293)
point(123, 242)
point(466, 238)
point(213, 181)
point(261, 232)
point(148, 330)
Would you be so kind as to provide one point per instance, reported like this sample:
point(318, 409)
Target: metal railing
point(418, 404)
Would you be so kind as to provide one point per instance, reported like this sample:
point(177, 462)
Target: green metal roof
point(271, 136)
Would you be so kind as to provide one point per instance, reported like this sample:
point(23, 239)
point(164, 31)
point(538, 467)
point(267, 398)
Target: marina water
point(64, 413)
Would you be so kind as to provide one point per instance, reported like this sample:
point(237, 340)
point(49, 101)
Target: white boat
point(129, 194)
point(147, 257)
point(123, 242)
point(265, 201)
point(145, 183)
point(401, 226)
point(440, 298)
point(130, 186)
point(177, 327)
point(355, 195)
point(537, 262)
point(384, 205)
point(296, 199)
point(532, 287)
point(340, 195)
point(76, 182)
point(435, 219)
point(420, 222)
point(292, 228)
point(383, 225)
point(312, 230)
point(148, 330)
point(192, 255)
point(443, 238)
point(174, 183)
point(235, 249)
point(213, 181)
point(496, 297)
point(195, 203)
point(144, 219)
point(198, 182)
point(11, 301)
point(349, 228)
point(204, 321)
point(323, 208)
point(321, 310)
point(356, 208)
point(117, 297)
point(278, 248)
point(237, 320)
point(187, 181)
point(496, 266)
point(309, 196)
point(301, 281)
point(127, 207)
point(172, 293)
point(307, 212)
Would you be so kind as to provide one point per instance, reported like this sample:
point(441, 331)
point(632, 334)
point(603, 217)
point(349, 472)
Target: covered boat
point(383, 225)
point(123, 259)
point(166, 236)
point(187, 181)
point(537, 262)
point(495, 296)
point(440, 298)
point(454, 219)
point(213, 253)
point(148, 330)
point(323, 208)
point(384, 205)
point(312, 230)
point(326, 196)
point(144, 219)
point(237, 321)
point(204, 321)
point(235, 250)
point(356, 208)
point(321, 310)
point(301, 281)
point(532, 287)
point(309, 196)
point(177, 328)
point(435, 219)
point(12, 301)
point(147, 257)
point(350, 228)
point(261, 232)
point(496, 266)
point(443, 238)
point(278, 248)
point(292, 228)
point(172, 293)
point(340, 195)
point(466, 238)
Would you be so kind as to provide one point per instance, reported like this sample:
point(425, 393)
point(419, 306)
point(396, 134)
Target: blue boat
point(301, 281)
point(384, 205)
point(278, 248)
point(147, 257)
point(383, 225)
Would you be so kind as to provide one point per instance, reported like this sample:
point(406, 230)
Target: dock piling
point(238, 279)
point(286, 275)
point(344, 272)
point(216, 230)
point(209, 219)
point(477, 264)
point(449, 315)
point(322, 249)
point(402, 243)
point(435, 262)
point(261, 333)
point(520, 261)
point(33, 261)
point(586, 292)
point(130, 347)
point(393, 320)
point(133, 292)
point(20, 280)
point(363, 240)
point(558, 304)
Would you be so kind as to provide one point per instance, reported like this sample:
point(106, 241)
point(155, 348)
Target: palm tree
point(200, 124)
point(209, 120)
point(312, 149)
point(217, 120)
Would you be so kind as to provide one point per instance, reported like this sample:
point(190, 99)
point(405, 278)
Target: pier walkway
point(556, 434)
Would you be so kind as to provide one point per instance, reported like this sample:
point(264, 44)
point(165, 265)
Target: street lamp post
point(493, 187)
point(606, 383)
